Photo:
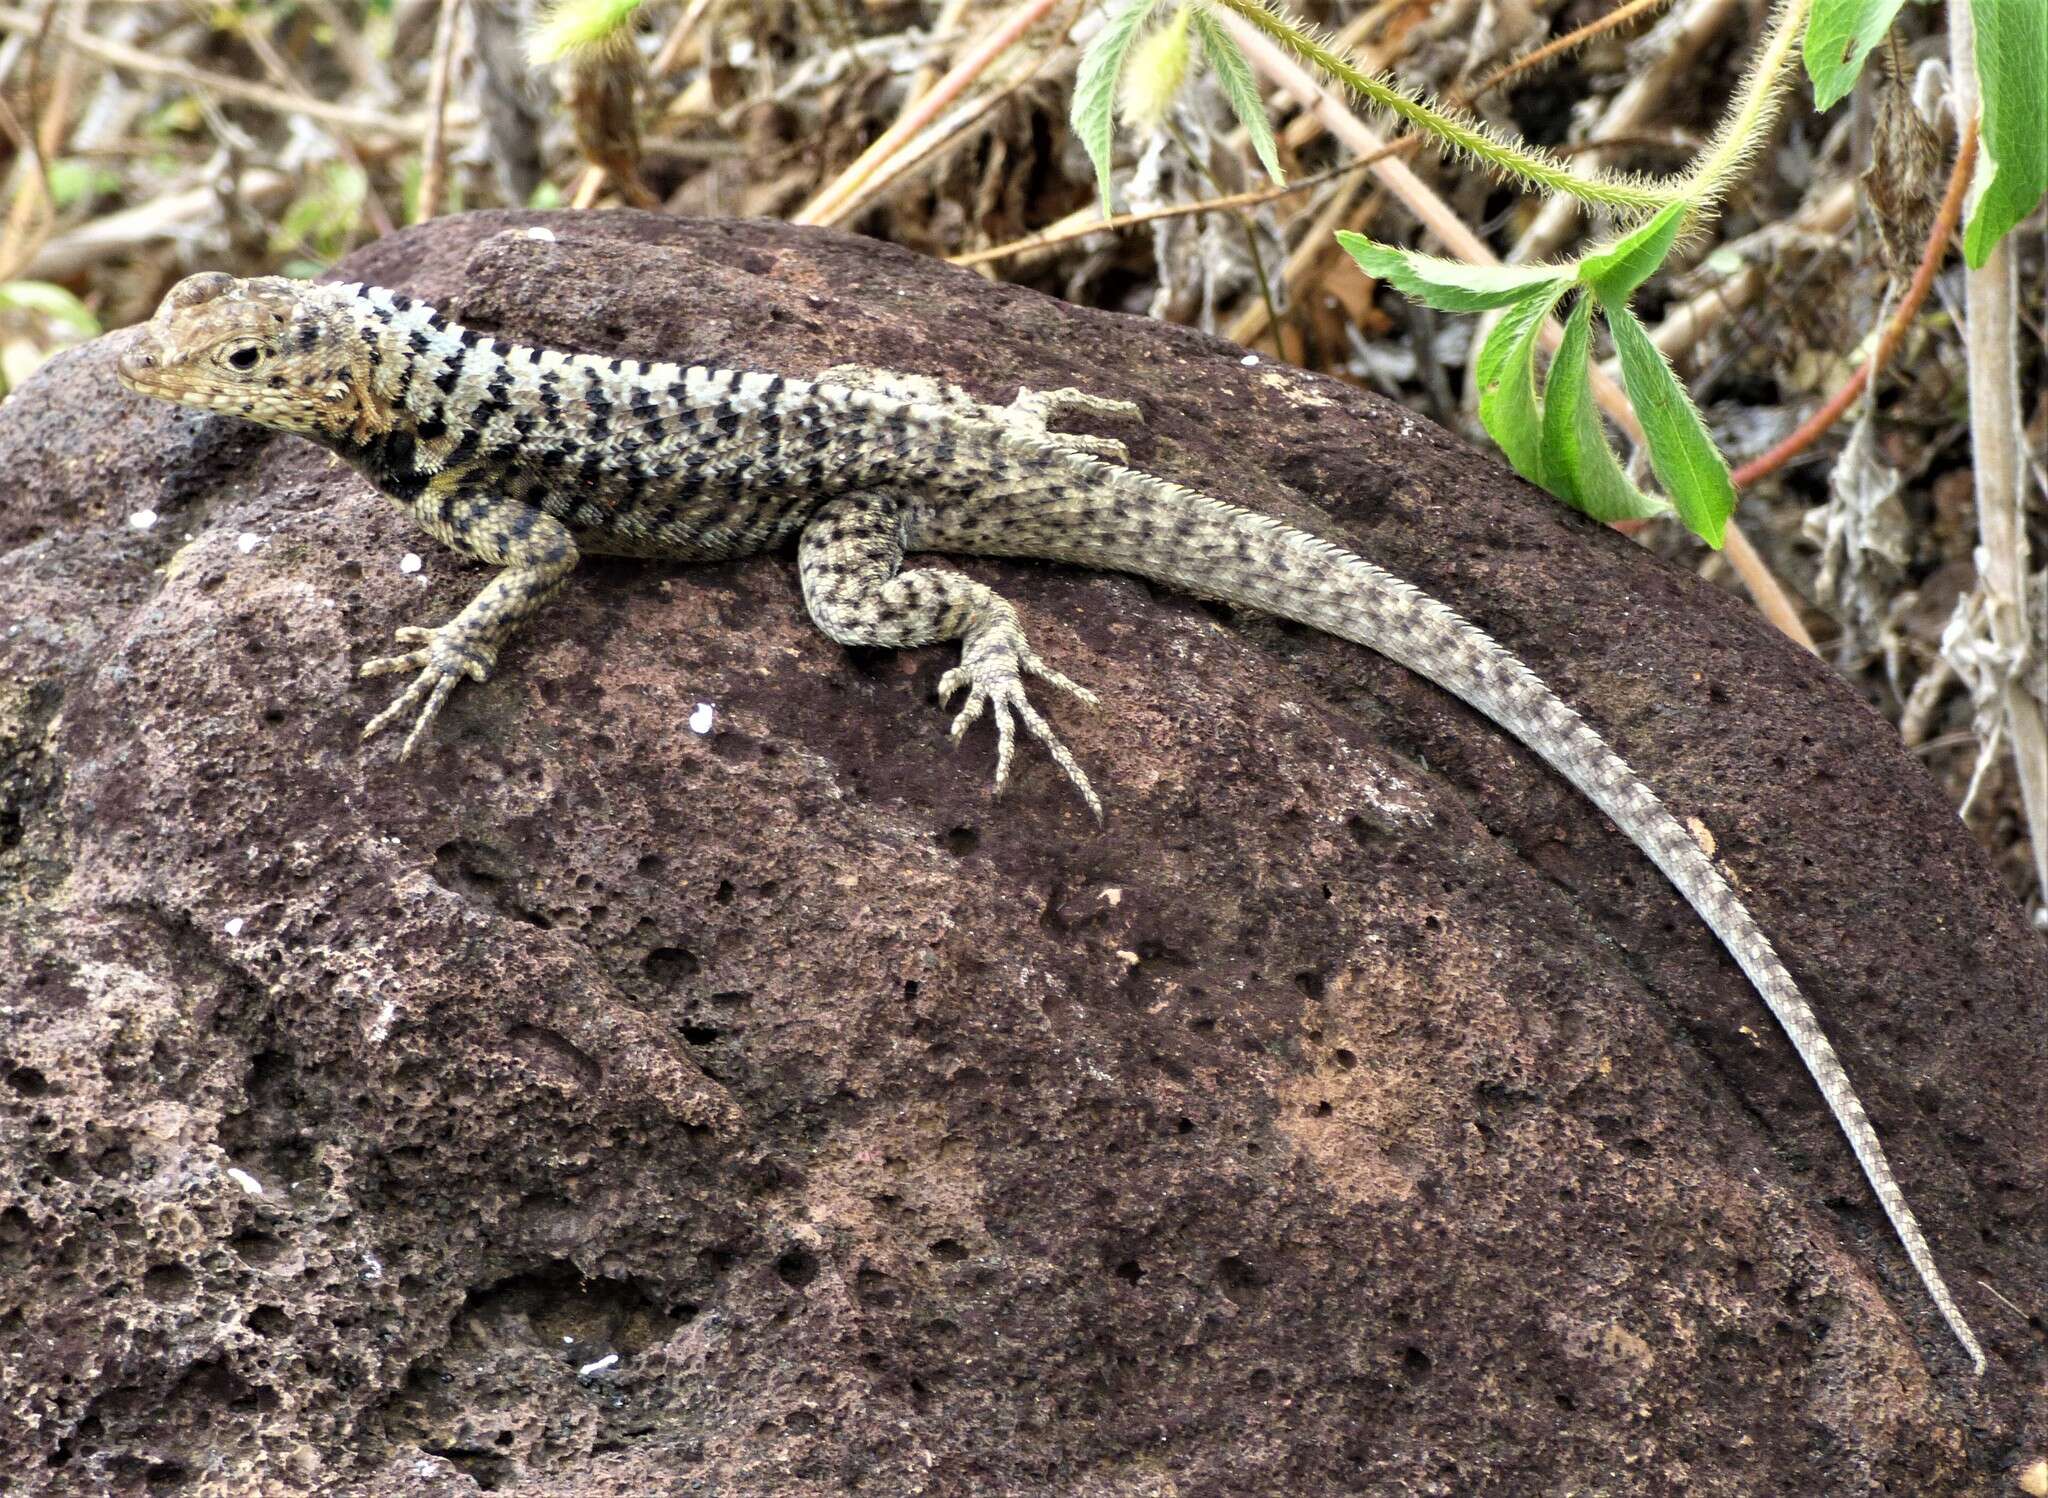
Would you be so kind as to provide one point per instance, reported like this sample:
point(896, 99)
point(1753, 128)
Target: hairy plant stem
point(1736, 139)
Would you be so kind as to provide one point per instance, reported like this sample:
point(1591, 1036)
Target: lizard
point(526, 458)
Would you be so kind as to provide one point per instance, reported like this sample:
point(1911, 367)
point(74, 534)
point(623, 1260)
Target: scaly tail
point(1133, 522)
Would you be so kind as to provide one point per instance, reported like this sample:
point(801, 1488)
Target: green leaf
point(1508, 407)
point(1839, 36)
point(51, 301)
point(1094, 112)
point(1686, 462)
point(1235, 74)
point(1577, 456)
point(1451, 285)
point(1618, 270)
point(2012, 174)
point(73, 181)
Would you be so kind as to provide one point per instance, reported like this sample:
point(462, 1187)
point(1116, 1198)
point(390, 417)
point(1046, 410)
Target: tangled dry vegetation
point(147, 140)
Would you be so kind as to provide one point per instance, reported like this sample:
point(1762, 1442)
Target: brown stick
point(1809, 430)
point(135, 60)
point(829, 203)
point(434, 158)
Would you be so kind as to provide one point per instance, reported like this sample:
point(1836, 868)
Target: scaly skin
point(526, 458)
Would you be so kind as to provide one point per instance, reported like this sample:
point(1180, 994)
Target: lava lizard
point(525, 458)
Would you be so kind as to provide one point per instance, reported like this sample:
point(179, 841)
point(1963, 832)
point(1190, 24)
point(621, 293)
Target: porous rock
point(615, 1101)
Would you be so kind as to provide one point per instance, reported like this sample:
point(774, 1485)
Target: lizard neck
point(417, 365)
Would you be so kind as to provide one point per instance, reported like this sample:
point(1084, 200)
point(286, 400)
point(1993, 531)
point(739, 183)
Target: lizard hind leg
point(849, 557)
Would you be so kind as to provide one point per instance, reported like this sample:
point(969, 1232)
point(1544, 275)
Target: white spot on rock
point(591, 1370)
point(247, 542)
point(142, 520)
point(234, 926)
point(541, 232)
point(249, 1184)
point(700, 720)
point(1250, 361)
point(410, 563)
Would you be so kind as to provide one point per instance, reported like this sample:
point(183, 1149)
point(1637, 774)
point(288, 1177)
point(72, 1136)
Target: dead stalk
point(434, 163)
point(1991, 344)
point(830, 205)
point(133, 59)
point(1809, 430)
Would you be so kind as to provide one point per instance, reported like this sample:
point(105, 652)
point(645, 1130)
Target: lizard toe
point(440, 666)
point(998, 689)
point(1052, 678)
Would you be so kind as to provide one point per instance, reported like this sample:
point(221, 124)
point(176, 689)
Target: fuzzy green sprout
point(573, 28)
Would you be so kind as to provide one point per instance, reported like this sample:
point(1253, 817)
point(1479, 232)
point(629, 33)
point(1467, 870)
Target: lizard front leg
point(849, 557)
point(537, 554)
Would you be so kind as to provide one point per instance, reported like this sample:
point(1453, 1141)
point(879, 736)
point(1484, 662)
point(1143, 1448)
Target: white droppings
point(410, 563)
point(247, 542)
point(740, 53)
point(142, 520)
point(700, 720)
point(591, 1370)
point(1250, 361)
point(249, 1184)
point(234, 926)
point(373, 1269)
point(541, 232)
point(380, 1027)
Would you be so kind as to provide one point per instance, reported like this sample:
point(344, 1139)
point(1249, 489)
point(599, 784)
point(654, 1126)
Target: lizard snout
point(139, 364)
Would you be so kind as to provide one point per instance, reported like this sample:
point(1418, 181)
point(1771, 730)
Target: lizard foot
point(993, 665)
point(1034, 411)
point(443, 659)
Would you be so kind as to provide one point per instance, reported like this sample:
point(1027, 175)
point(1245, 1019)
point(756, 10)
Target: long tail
point(1133, 522)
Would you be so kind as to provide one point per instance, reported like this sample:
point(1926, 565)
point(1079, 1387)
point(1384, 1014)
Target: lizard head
point(269, 350)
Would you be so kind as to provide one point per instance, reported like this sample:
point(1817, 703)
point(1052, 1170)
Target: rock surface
point(600, 1106)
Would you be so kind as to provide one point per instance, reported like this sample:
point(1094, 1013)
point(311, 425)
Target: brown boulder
point(598, 1106)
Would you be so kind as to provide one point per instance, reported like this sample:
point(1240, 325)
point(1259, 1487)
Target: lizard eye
point(247, 357)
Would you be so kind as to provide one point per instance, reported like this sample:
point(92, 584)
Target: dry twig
point(831, 204)
point(377, 123)
point(1810, 430)
point(434, 165)
point(1991, 342)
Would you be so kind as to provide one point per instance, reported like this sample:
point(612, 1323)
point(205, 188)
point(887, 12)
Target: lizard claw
point(442, 661)
point(992, 677)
